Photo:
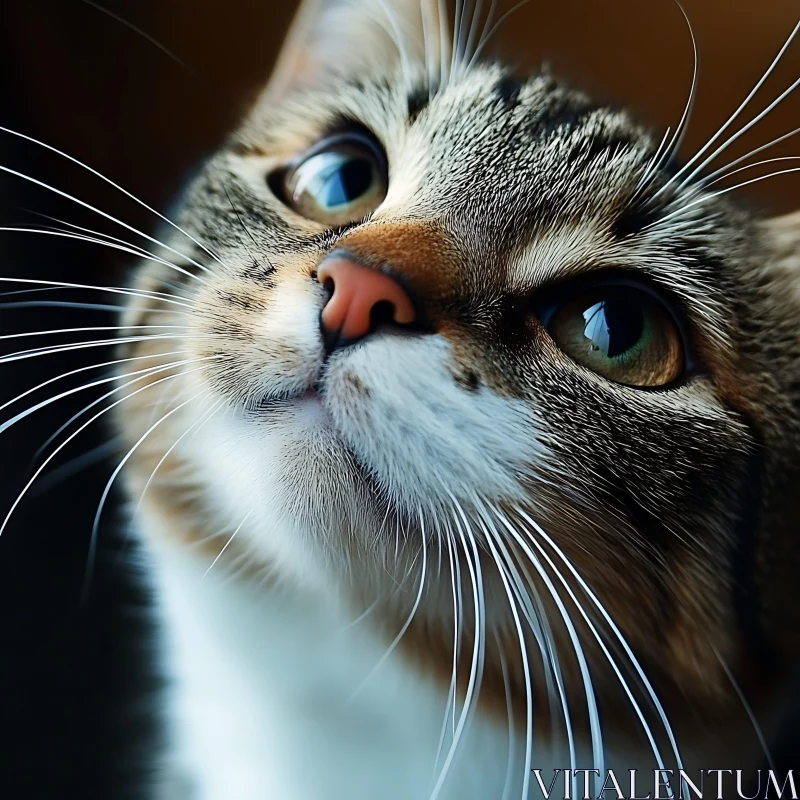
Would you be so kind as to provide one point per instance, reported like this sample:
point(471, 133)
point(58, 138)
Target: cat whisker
point(61, 331)
point(113, 219)
point(751, 166)
point(76, 372)
point(192, 429)
point(537, 621)
point(91, 556)
point(706, 198)
point(362, 616)
point(650, 168)
point(164, 297)
point(122, 21)
point(445, 69)
point(536, 529)
point(227, 544)
point(598, 756)
point(397, 35)
point(455, 47)
point(99, 237)
point(728, 142)
point(659, 159)
point(141, 375)
point(76, 306)
point(455, 578)
point(606, 653)
point(75, 465)
point(426, 10)
point(82, 229)
point(473, 29)
point(512, 746)
point(124, 248)
point(526, 777)
point(724, 171)
point(119, 188)
point(494, 29)
point(36, 352)
point(694, 159)
point(484, 31)
point(762, 740)
point(247, 230)
point(72, 436)
point(683, 123)
point(476, 668)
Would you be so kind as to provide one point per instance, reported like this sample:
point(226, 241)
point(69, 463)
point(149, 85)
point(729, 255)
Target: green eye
point(341, 180)
point(623, 333)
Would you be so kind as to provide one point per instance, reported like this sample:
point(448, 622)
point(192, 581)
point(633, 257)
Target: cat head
point(441, 324)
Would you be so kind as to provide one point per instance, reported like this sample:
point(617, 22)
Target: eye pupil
point(613, 326)
point(355, 179)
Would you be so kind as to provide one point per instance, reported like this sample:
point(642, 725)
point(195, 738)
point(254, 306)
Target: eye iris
point(622, 333)
point(613, 327)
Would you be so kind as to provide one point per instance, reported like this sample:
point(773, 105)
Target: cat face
point(576, 386)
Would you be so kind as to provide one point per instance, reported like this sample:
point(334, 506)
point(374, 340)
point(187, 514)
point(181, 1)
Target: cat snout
point(361, 300)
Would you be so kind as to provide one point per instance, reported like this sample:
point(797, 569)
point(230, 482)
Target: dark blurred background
point(142, 90)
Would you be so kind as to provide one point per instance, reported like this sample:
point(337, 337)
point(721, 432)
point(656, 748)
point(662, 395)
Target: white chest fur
point(262, 701)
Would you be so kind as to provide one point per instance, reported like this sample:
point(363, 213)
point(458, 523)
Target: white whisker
point(90, 558)
point(751, 166)
point(113, 219)
point(706, 198)
point(61, 331)
point(724, 170)
point(141, 375)
point(688, 165)
point(37, 352)
point(450, 707)
point(537, 620)
point(118, 188)
point(123, 248)
point(612, 625)
point(762, 740)
point(526, 779)
point(39, 471)
point(74, 372)
point(227, 543)
point(598, 756)
point(512, 746)
point(476, 668)
point(144, 294)
point(195, 427)
point(494, 30)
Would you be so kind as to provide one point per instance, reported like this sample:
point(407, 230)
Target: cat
point(461, 436)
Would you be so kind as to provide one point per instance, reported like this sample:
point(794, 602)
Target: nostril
point(383, 314)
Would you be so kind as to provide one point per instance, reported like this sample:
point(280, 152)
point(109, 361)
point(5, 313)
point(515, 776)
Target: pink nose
point(357, 291)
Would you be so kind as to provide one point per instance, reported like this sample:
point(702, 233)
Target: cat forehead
point(486, 134)
point(523, 166)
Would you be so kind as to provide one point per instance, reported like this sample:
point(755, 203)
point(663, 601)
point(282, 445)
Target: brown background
point(71, 672)
point(104, 92)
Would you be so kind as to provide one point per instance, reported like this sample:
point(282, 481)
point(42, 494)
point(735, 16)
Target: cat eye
point(622, 332)
point(341, 180)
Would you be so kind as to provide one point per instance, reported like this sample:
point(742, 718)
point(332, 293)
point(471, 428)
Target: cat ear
point(358, 37)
